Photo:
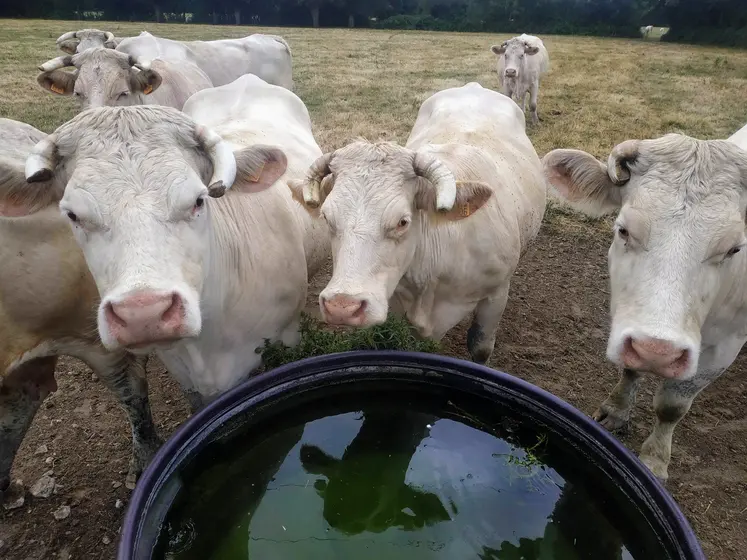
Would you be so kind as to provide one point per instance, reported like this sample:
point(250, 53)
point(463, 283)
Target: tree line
point(708, 21)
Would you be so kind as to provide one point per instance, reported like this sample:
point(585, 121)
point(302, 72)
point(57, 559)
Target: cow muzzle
point(144, 318)
point(661, 357)
point(343, 309)
point(511, 72)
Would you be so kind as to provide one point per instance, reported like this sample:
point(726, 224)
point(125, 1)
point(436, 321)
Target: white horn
point(141, 64)
point(108, 36)
point(55, 63)
point(41, 162)
point(435, 171)
point(618, 160)
point(67, 36)
point(224, 162)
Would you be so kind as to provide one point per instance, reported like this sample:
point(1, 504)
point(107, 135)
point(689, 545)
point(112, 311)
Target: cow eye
point(403, 223)
point(733, 251)
point(72, 216)
point(623, 233)
point(199, 203)
point(123, 95)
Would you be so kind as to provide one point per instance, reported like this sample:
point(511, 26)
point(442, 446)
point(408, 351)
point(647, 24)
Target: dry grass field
point(371, 83)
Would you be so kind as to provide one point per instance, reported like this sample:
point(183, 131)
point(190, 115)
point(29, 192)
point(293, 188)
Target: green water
point(391, 480)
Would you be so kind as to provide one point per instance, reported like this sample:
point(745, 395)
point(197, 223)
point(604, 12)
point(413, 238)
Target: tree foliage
point(712, 21)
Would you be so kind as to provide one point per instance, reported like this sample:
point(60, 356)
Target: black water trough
point(389, 455)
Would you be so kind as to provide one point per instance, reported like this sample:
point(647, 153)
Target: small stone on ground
point(63, 512)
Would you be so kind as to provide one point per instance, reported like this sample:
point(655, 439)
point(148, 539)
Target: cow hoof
point(657, 467)
point(479, 351)
point(612, 419)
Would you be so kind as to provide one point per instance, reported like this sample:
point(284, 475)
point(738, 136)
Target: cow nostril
point(112, 316)
point(174, 310)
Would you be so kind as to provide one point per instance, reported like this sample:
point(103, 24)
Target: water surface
point(401, 479)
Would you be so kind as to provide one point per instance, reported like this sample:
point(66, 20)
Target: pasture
point(598, 93)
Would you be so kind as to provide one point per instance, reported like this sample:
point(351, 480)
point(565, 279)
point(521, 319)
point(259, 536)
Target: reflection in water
point(365, 490)
point(393, 483)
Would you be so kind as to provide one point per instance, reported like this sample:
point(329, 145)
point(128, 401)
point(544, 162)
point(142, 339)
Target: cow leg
point(672, 402)
point(482, 331)
point(21, 393)
point(124, 375)
point(533, 92)
point(614, 413)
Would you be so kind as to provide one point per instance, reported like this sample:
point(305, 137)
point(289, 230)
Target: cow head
point(138, 181)
point(102, 77)
point(513, 53)
point(376, 199)
point(679, 241)
point(74, 42)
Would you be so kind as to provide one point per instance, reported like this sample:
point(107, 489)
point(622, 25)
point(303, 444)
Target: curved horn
point(435, 171)
point(55, 63)
point(312, 186)
point(222, 158)
point(140, 64)
point(617, 163)
point(67, 36)
point(42, 160)
point(108, 36)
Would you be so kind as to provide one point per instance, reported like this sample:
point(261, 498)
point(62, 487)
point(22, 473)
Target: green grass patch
point(316, 340)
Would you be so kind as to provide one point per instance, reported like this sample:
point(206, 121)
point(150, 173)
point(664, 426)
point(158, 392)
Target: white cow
point(105, 77)
point(678, 268)
point(203, 282)
point(438, 226)
point(266, 56)
point(647, 31)
point(522, 61)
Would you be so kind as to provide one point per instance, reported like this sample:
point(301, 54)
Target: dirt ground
point(554, 329)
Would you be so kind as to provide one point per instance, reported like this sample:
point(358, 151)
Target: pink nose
point(344, 310)
point(145, 318)
point(658, 356)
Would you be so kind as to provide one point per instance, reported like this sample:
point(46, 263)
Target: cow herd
point(188, 224)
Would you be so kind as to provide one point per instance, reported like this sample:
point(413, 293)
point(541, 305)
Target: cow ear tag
point(147, 89)
point(57, 89)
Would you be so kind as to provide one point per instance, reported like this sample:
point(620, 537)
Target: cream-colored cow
point(437, 226)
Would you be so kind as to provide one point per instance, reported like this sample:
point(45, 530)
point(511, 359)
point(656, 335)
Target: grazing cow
point(266, 56)
point(677, 265)
point(438, 225)
point(48, 304)
point(106, 77)
point(74, 42)
point(647, 31)
point(203, 282)
point(521, 62)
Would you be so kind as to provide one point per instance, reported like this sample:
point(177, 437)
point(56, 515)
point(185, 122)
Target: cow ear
point(144, 81)
point(258, 167)
point(59, 82)
point(18, 197)
point(470, 197)
point(582, 181)
point(498, 49)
